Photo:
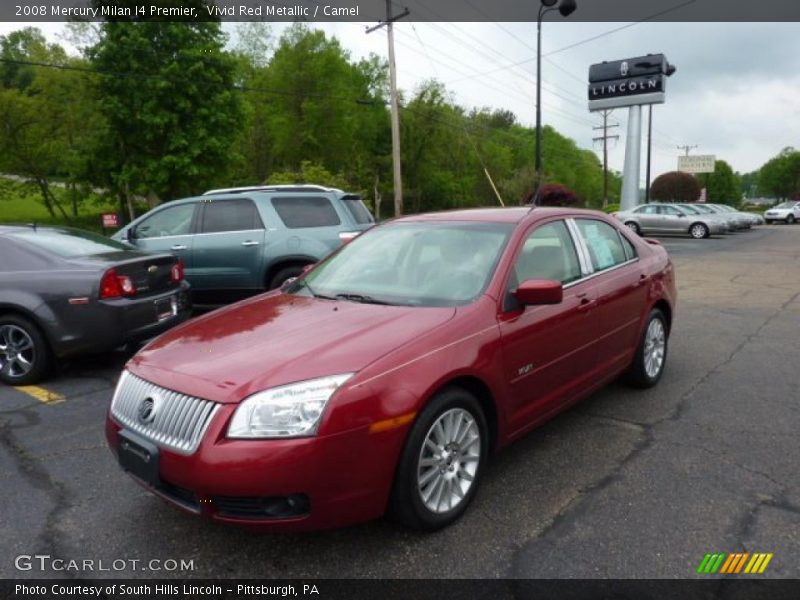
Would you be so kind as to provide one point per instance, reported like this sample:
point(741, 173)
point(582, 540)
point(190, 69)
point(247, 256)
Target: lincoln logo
point(147, 411)
point(623, 69)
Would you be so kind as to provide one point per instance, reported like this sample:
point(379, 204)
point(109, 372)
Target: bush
point(554, 194)
point(612, 208)
point(675, 186)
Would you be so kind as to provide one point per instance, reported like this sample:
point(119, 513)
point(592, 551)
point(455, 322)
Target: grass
point(22, 203)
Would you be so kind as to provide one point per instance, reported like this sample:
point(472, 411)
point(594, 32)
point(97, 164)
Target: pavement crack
point(32, 469)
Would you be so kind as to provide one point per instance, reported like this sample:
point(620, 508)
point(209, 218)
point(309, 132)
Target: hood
point(276, 339)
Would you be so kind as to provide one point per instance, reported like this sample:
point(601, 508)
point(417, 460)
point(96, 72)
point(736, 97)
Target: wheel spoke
point(426, 478)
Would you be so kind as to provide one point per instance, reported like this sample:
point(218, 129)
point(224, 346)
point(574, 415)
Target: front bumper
point(342, 478)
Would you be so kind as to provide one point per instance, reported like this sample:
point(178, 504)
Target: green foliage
point(309, 173)
point(675, 186)
point(780, 177)
point(723, 185)
point(612, 208)
point(171, 110)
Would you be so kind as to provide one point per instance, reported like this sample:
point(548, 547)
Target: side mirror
point(533, 292)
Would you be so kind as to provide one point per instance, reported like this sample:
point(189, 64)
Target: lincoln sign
point(630, 82)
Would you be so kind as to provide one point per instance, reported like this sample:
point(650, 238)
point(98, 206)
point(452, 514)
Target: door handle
point(178, 247)
point(249, 243)
point(586, 303)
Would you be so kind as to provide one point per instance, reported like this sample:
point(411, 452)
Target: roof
point(513, 214)
point(297, 187)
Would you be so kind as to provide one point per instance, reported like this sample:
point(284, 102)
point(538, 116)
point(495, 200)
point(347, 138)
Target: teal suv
point(239, 241)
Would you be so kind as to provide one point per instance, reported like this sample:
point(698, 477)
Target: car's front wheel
point(768, 221)
point(634, 227)
point(285, 275)
point(24, 355)
point(790, 220)
point(651, 354)
point(442, 462)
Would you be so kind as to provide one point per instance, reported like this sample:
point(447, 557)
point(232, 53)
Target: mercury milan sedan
point(384, 378)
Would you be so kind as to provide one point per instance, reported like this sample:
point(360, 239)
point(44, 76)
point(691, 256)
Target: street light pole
point(566, 8)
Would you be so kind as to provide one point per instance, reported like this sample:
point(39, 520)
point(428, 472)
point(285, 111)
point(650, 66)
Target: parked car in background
point(385, 376)
point(740, 220)
point(753, 219)
point(734, 222)
point(65, 292)
point(692, 209)
point(241, 241)
point(788, 212)
point(658, 217)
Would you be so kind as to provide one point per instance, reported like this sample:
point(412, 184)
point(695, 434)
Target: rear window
point(357, 210)
point(304, 211)
point(69, 243)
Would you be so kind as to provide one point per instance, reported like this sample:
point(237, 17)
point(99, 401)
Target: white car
point(789, 212)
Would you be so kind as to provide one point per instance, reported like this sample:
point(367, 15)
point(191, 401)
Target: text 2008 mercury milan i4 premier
point(383, 378)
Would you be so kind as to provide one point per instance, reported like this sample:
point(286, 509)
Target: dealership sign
point(697, 164)
point(629, 82)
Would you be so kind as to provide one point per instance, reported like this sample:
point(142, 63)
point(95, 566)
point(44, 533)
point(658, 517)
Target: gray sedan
point(668, 218)
point(65, 292)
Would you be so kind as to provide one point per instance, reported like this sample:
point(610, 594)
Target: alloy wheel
point(699, 231)
point(654, 347)
point(17, 351)
point(448, 461)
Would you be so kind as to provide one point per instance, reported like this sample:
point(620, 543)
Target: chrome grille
point(169, 419)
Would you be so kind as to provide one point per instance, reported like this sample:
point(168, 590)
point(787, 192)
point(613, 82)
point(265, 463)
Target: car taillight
point(346, 236)
point(176, 274)
point(114, 286)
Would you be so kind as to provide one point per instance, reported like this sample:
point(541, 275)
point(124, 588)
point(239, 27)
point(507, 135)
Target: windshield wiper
point(302, 283)
point(362, 299)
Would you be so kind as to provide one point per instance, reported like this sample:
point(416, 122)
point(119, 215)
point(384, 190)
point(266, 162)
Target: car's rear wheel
point(768, 221)
point(651, 354)
point(699, 231)
point(284, 275)
point(634, 227)
point(442, 462)
point(790, 220)
point(24, 355)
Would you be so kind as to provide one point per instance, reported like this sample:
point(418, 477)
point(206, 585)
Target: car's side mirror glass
point(535, 292)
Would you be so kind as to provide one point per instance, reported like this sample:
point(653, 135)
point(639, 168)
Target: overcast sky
point(736, 93)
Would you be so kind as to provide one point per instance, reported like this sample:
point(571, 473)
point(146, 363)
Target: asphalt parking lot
point(626, 484)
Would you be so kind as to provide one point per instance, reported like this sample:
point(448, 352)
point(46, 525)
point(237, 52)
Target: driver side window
point(548, 253)
point(175, 220)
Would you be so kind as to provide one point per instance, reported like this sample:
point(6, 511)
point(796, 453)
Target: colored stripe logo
point(731, 564)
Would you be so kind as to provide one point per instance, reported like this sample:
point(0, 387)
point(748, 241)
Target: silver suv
point(235, 242)
point(788, 212)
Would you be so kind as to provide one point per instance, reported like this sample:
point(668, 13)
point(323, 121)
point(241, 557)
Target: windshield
point(70, 243)
point(785, 205)
point(414, 264)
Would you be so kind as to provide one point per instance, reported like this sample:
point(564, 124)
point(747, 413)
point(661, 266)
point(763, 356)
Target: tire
point(427, 506)
point(768, 221)
point(634, 227)
point(24, 353)
point(643, 372)
point(699, 231)
point(790, 220)
point(284, 274)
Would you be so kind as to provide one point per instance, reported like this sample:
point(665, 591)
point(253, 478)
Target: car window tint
point(69, 243)
point(357, 210)
point(603, 241)
point(230, 215)
point(300, 212)
point(548, 253)
point(174, 220)
point(646, 210)
point(669, 210)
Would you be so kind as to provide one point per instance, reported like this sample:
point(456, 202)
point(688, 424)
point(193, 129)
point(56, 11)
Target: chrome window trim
point(587, 268)
point(585, 249)
point(230, 232)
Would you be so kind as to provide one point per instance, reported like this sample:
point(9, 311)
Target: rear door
point(648, 218)
point(548, 351)
point(621, 288)
point(170, 229)
point(228, 251)
point(312, 223)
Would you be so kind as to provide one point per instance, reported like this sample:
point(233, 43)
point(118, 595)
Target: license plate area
point(138, 457)
point(166, 308)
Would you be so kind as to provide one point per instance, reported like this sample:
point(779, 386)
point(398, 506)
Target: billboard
point(702, 163)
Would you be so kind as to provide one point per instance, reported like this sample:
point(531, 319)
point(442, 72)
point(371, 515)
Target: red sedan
point(383, 379)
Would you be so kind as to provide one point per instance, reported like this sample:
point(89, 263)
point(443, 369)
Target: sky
point(736, 92)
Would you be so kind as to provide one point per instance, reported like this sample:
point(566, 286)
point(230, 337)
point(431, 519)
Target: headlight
point(288, 411)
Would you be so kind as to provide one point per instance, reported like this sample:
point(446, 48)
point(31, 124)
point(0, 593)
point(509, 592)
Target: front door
point(547, 350)
point(169, 229)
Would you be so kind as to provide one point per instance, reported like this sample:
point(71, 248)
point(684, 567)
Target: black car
point(65, 292)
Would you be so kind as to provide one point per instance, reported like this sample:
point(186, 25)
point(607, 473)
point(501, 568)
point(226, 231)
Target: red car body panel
point(527, 365)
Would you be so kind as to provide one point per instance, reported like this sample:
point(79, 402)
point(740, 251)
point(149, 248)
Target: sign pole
point(633, 154)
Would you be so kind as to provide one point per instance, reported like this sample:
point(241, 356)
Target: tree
point(554, 194)
point(723, 186)
point(675, 186)
point(780, 176)
point(170, 104)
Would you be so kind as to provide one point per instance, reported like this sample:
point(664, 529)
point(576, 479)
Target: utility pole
point(649, 154)
point(605, 137)
point(398, 181)
point(687, 148)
